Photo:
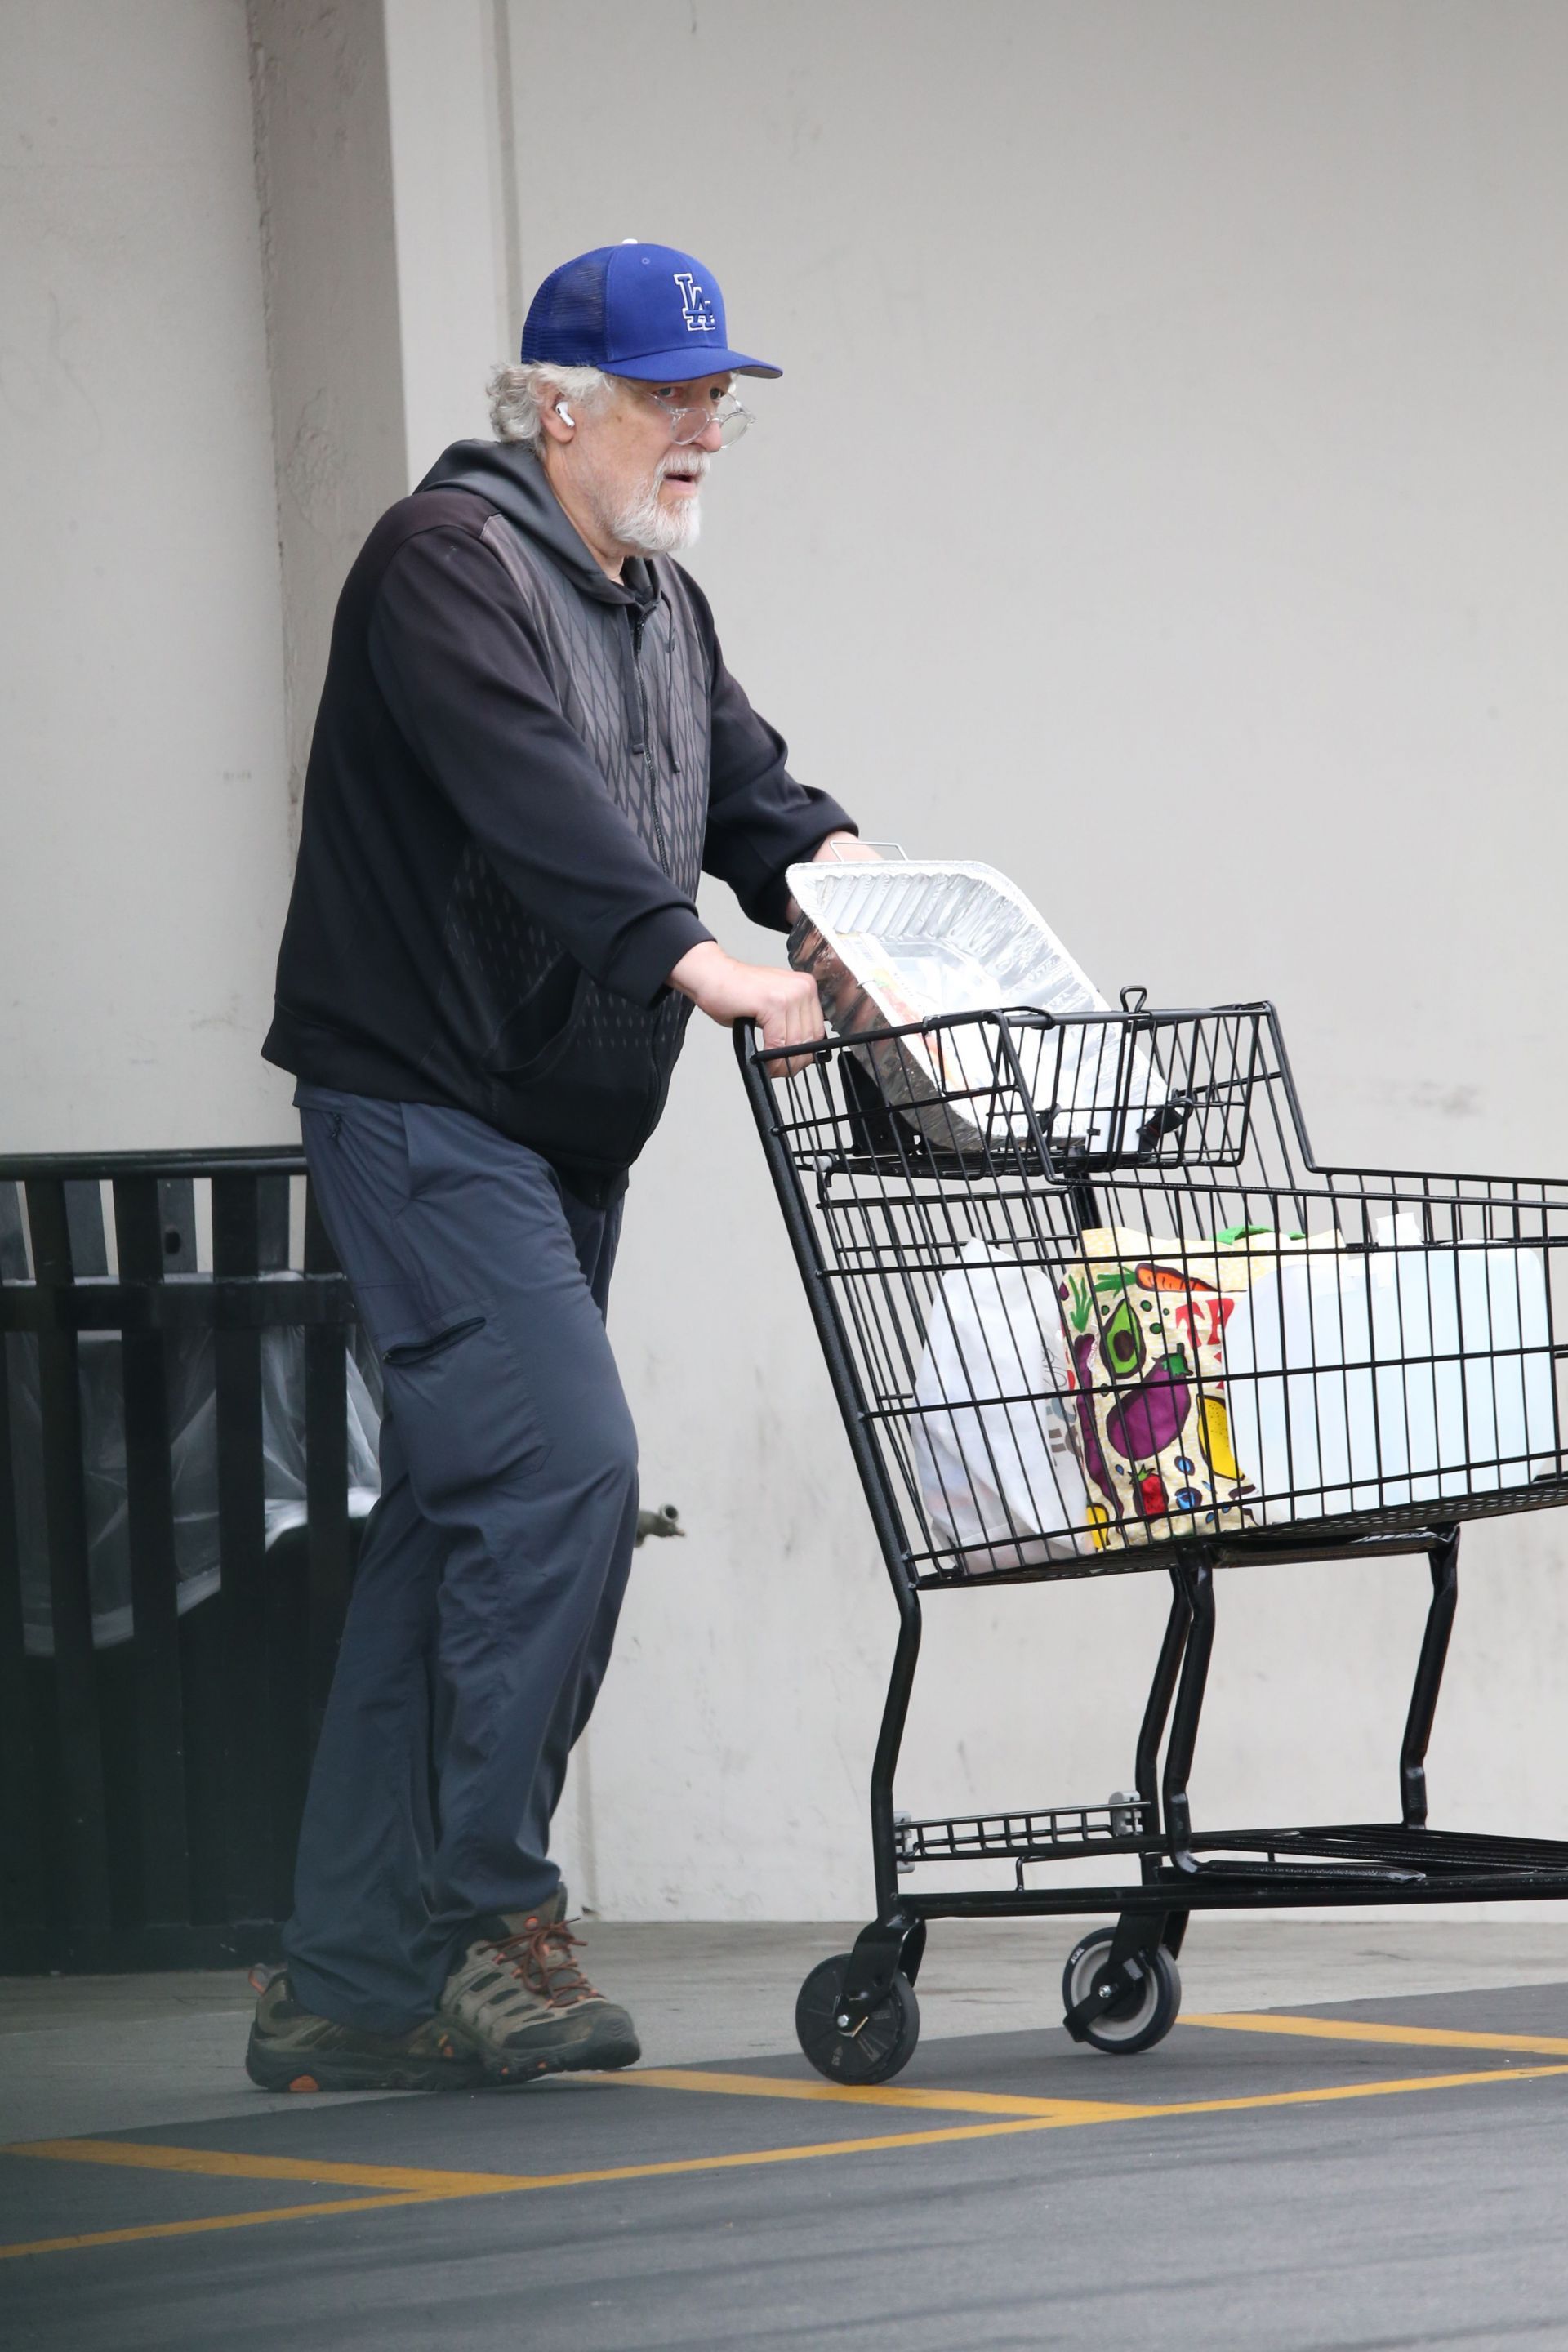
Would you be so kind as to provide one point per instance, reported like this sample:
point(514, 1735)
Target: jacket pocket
point(530, 1044)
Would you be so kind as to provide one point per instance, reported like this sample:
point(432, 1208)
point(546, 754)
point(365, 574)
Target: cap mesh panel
point(566, 318)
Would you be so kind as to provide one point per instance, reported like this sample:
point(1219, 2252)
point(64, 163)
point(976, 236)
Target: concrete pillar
point(454, 209)
point(323, 165)
point(385, 173)
point(391, 228)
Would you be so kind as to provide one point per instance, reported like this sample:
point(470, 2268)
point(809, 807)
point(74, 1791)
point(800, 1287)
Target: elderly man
point(528, 748)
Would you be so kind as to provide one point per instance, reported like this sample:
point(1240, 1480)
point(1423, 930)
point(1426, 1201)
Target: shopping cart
point(1114, 1223)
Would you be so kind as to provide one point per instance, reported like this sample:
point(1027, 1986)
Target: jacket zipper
point(636, 622)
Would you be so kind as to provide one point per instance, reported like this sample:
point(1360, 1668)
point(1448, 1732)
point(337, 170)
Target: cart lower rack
point(1091, 1307)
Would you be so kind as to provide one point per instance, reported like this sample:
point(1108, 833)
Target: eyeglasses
point(689, 425)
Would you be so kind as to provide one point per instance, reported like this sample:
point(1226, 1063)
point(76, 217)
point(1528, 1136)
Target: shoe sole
point(272, 2069)
point(603, 2055)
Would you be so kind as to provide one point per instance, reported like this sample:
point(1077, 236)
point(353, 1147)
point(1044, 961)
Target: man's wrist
point(687, 974)
point(824, 849)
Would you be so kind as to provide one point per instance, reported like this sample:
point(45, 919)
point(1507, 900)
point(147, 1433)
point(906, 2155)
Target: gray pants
point(493, 1567)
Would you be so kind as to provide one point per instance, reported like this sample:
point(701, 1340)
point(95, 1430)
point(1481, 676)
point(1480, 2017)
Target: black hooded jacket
point(518, 768)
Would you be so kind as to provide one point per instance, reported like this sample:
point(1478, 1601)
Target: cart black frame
point(1228, 1126)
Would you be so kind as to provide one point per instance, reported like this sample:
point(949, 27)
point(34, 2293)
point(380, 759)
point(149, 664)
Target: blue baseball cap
point(644, 311)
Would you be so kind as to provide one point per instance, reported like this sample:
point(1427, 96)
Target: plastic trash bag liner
point(1395, 1375)
point(1143, 1319)
point(999, 1481)
point(193, 1418)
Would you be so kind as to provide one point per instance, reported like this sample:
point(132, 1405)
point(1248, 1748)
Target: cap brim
point(676, 367)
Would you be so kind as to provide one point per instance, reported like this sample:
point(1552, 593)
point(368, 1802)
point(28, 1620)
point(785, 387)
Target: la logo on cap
point(695, 307)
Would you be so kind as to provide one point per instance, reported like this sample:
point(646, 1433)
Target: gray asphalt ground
point(1358, 2200)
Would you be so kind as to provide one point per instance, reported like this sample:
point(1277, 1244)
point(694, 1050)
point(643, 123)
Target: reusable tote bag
point(1143, 1320)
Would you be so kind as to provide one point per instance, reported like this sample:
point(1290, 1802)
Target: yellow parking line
point(443, 2186)
point(1415, 2037)
point(1066, 2112)
point(147, 2155)
point(191, 2228)
point(1357, 2091)
point(871, 2094)
point(494, 2183)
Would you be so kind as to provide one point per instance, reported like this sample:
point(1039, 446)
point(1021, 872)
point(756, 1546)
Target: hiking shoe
point(520, 1995)
point(294, 2050)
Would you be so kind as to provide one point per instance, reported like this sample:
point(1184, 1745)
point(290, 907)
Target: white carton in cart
point(1362, 1379)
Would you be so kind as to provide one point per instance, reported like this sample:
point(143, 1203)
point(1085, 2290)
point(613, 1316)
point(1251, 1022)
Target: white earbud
point(564, 414)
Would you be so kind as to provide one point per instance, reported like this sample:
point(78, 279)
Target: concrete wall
point(1166, 498)
point(145, 861)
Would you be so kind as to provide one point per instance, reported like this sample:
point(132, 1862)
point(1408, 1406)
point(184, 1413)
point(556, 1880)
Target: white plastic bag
point(994, 1456)
point(1396, 1375)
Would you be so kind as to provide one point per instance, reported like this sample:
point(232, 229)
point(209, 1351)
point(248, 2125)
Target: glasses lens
point(689, 425)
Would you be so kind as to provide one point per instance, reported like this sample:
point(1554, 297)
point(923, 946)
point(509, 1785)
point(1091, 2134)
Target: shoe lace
point(541, 1954)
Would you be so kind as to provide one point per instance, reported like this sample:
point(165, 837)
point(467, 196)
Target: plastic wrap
point(193, 1419)
point(992, 1436)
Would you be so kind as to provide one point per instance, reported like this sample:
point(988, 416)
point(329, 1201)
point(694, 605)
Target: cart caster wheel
point(1143, 2016)
point(871, 2053)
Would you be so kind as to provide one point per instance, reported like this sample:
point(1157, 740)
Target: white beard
point(654, 528)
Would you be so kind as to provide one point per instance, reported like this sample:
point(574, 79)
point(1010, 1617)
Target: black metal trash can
point(181, 1388)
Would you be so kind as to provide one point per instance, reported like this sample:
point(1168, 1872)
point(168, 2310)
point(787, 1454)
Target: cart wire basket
point(1091, 1306)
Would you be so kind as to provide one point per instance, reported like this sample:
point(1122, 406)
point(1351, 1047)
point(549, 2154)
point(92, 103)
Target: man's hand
point(786, 1002)
point(844, 849)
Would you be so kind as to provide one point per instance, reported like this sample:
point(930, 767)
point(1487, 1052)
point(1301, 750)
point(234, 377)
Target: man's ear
point(556, 416)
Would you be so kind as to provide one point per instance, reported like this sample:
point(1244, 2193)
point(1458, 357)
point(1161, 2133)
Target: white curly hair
point(519, 396)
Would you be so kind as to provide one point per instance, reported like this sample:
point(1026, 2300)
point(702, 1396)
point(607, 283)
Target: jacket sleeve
point(760, 820)
point(453, 651)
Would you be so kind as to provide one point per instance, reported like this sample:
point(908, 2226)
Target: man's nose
point(710, 437)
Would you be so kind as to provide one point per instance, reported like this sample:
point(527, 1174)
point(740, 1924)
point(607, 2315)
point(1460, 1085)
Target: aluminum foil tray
point(899, 941)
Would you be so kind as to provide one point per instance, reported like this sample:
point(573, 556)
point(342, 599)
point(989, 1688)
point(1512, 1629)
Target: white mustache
point(691, 463)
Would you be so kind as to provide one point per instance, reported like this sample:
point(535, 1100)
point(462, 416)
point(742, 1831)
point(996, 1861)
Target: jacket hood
point(513, 481)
